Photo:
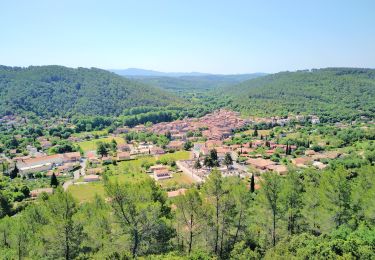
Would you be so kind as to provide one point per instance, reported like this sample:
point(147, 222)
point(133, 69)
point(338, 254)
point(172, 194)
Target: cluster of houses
point(282, 121)
point(61, 162)
point(315, 159)
point(216, 126)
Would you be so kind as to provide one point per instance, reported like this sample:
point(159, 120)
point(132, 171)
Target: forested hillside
point(61, 91)
point(332, 93)
point(196, 83)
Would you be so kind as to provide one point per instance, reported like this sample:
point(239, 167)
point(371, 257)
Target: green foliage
point(188, 145)
point(54, 181)
point(306, 214)
point(228, 161)
point(57, 90)
point(333, 94)
point(139, 211)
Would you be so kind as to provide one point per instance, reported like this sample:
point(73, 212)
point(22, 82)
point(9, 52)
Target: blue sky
point(205, 36)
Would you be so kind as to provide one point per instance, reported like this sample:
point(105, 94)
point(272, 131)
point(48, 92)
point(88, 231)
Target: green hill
point(61, 91)
point(332, 93)
point(183, 84)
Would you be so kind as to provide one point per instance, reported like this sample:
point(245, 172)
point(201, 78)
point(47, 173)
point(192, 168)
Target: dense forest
point(60, 91)
point(332, 93)
point(184, 84)
point(307, 214)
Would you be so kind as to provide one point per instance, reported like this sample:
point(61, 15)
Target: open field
point(97, 132)
point(260, 132)
point(91, 145)
point(130, 171)
point(86, 192)
point(177, 179)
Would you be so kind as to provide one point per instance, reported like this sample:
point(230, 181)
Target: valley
point(157, 145)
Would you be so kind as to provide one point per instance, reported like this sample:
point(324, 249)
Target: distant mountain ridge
point(180, 82)
point(152, 73)
point(136, 72)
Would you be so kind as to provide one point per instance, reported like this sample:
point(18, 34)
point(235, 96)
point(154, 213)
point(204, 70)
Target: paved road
point(77, 174)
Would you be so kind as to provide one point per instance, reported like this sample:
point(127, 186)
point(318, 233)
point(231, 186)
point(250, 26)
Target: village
point(207, 143)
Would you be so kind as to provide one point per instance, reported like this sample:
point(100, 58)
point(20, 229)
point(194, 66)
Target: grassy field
point(177, 179)
point(260, 132)
point(91, 145)
point(98, 132)
point(130, 171)
point(87, 192)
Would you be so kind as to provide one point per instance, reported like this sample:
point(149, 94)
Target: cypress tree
point(252, 183)
point(13, 174)
point(54, 181)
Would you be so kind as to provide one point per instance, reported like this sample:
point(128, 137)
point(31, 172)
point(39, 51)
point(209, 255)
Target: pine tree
point(214, 158)
point(208, 162)
point(54, 181)
point(197, 164)
point(228, 161)
point(102, 149)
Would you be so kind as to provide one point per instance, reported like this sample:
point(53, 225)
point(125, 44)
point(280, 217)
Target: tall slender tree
point(189, 214)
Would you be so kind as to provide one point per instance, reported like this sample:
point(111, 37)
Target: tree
point(189, 214)
point(255, 133)
point(242, 252)
point(13, 174)
point(101, 149)
point(292, 201)
point(213, 154)
point(113, 145)
point(208, 162)
point(5, 232)
point(270, 193)
point(336, 191)
point(54, 181)
point(25, 190)
point(197, 164)
point(5, 205)
point(215, 192)
point(241, 199)
point(63, 235)
point(98, 226)
point(139, 215)
point(188, 145)
point(252, 183)
point(362, 196)
point(228, 161)
point(19, 235)
point(312, 201)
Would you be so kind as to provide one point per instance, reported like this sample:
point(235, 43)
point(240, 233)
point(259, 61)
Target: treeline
point(188, 84)
point(307, 214)
point(334, 94)
point(142, 115)
point(59, 91)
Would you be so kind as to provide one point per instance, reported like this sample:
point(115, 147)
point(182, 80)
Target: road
point(188, 172)
point(77, 174)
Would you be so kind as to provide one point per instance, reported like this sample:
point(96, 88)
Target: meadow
point(131, 171)
point(91, 144)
